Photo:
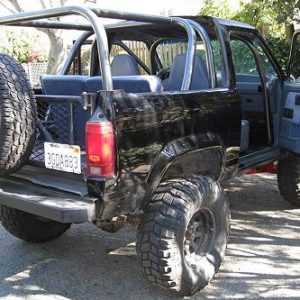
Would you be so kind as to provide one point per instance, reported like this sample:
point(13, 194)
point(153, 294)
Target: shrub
point(281, 49)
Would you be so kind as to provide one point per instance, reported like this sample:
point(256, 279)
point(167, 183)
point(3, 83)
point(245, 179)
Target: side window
point(268, 67)
point(243, 59)
point(81, 63)
point(168, 50)
point(140, 49)
point(219, 62)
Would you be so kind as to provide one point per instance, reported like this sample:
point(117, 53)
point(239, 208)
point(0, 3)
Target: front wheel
point(30, 228)
point(183, 235)
point(288, 178)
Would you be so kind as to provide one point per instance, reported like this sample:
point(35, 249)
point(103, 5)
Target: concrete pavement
point(262, 262)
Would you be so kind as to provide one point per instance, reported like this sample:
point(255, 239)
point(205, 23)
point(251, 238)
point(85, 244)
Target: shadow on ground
point(263, 257)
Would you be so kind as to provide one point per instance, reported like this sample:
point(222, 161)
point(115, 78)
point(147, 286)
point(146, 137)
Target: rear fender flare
point(183, 157)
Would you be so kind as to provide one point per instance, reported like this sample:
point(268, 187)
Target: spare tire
point(17, 115)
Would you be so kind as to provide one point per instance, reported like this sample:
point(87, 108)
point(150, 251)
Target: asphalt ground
point(262, 262)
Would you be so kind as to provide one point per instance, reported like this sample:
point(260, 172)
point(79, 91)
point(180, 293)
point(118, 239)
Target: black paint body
point(168, 135)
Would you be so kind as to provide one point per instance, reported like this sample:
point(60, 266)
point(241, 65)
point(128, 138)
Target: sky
point(190, 7)
point(157, 7)
point(162, 7)
point(183, 7)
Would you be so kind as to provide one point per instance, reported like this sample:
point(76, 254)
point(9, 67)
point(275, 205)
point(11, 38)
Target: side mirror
point(293, 71)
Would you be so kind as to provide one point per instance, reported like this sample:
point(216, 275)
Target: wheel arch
point(184, 157)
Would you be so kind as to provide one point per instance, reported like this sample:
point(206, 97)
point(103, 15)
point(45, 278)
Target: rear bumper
point(57, 206)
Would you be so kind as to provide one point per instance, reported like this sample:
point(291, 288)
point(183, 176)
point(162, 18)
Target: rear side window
point(140, 49)
point(82, 61)
point(243, 58)
point(168, 50)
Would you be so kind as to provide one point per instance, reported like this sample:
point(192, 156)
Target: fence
point(34, 72)
point(167, 51)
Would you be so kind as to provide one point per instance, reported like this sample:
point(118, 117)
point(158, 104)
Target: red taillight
point(100, 149)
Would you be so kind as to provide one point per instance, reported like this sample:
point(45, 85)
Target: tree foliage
point(277, 15)
point(16, 45)
point(273, 18)
point(285, 11)
point(281, 49)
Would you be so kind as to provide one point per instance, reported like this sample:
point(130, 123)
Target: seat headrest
point(199, 77)
point(124, 65)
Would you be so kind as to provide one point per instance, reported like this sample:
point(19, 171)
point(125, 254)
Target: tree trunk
point(56, 54)
point(289, 30)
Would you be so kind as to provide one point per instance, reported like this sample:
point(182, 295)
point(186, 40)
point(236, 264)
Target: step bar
point(54, 205)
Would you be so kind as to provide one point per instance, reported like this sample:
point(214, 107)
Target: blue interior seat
point(130, 84)
point(124, 65)
point(199, 77)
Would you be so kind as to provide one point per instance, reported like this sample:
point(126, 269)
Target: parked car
point(169, 109)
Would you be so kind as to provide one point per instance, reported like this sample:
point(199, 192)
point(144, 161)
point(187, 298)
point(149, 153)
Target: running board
point(47, 203)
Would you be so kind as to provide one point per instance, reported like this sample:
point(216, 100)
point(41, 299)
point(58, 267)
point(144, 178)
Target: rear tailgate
point(55, 195)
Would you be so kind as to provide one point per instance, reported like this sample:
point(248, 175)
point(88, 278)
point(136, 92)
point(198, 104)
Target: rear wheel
point(30, 228)
point(288, 178)
point(183, 234)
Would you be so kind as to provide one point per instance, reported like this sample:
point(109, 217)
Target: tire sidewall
point(194, 279)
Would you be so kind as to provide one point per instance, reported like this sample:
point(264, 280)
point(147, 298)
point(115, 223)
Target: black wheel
point(30, 228)
point(17, 115)
point(288, 178)
point(183, 235)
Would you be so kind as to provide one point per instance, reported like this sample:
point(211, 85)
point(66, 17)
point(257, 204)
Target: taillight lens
point(100, 149)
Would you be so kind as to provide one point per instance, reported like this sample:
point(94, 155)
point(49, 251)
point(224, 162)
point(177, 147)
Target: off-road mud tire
point(30, 228)
point(17, 115)
point(162, 235)
point(288, 178)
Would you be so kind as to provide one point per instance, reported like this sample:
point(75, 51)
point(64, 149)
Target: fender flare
point(183, 157)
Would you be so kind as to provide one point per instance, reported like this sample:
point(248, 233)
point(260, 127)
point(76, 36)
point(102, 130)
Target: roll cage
point(42, 19)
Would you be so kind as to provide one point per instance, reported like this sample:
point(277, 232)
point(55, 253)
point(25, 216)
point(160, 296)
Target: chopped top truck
point(146, 138)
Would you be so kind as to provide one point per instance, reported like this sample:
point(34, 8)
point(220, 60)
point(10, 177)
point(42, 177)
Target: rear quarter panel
point(169, 135)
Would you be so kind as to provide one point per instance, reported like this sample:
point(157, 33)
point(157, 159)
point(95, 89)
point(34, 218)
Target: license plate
point(62, 157)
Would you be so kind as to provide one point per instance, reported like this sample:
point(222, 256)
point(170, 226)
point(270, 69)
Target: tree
point(286, 12)
point(221, 8)
point(273, 18)
point(260, 13)
point(57, 52)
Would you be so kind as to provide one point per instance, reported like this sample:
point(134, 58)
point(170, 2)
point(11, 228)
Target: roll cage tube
point(208, 52)
point(187, 77)
point(69, 10)
point(92, 16)
point(79, 42)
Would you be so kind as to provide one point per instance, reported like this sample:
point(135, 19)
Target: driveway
point(262, 262)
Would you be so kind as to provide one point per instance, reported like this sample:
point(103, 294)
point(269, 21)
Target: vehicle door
point(290, 123)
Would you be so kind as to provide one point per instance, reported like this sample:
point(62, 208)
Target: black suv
point(147, 117)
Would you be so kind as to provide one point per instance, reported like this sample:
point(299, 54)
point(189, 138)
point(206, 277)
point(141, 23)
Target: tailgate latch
point(89, 101)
